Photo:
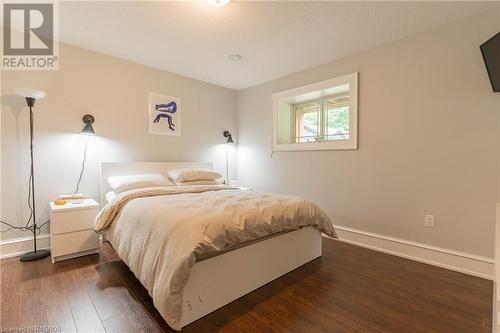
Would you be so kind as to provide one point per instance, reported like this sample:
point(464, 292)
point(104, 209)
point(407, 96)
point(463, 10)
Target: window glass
point(337, 118)
point(308, 122)
point(326, 119)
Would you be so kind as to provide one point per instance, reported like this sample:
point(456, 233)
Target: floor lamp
point(229, 141)
point(31, 96)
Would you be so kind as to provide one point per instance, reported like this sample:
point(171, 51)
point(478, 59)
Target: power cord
point(38, 229)
point(29, 202)
point(27, 226)
point(83, 165)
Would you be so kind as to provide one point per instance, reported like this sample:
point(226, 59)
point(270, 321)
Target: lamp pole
point(229, 140)
point(227, 164)
point(31, 103)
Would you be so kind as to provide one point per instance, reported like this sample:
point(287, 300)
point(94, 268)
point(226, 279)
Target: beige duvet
point(159, 232)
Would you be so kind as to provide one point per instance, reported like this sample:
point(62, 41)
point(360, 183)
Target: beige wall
point(427, 141)
point(496, 291)
point(115, 92)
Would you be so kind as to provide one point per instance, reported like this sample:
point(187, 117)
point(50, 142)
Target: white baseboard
point(433, 255)
point(494, 320)
point(18, 246)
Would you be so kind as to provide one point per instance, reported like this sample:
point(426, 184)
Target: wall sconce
point(228, 136)
point(88, 121)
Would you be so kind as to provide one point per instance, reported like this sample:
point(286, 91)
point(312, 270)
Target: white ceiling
point(275, 38)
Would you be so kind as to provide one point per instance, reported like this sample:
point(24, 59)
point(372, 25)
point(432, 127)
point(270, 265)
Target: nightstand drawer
point(75, 220)
point(74, 242)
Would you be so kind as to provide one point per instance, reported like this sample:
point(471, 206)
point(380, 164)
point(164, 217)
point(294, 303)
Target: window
point(322, 120)
point(321, 116)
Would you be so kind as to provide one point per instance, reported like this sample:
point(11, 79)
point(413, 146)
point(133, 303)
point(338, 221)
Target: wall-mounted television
point(491, 55)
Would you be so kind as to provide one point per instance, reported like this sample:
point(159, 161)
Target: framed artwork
point(164, 116)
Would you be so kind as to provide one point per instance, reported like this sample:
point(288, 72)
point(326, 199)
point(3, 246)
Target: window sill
point(311, 146)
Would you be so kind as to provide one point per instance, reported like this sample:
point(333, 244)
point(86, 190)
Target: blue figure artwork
point(167, 108)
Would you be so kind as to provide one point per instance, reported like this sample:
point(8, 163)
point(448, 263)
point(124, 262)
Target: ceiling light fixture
point(218, 3)
point(235, 57)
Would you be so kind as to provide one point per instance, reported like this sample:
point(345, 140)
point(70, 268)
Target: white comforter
point(159, 232)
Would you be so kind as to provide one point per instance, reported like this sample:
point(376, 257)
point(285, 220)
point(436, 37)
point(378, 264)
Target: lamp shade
point(218, 3)
point(228, 136)
point(30, 93)
point(88, 129)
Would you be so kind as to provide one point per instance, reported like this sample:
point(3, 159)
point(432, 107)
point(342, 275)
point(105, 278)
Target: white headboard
point(134, 168)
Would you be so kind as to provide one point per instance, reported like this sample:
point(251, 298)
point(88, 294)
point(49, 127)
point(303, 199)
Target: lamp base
point(32, 255)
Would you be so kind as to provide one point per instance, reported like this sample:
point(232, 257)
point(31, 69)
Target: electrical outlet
point(429, 221)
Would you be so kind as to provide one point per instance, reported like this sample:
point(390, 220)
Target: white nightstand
point(71, 230)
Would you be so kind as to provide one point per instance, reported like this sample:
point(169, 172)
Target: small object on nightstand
point(77, 201)
point(75, 198)
point(60, 202)
point(71, 229)
point(236, 183)
point(72, 196)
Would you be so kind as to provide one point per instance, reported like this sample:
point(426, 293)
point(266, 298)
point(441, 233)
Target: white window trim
point(321, 88)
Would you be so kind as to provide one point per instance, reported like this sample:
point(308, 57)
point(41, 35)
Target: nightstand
point(71, 230)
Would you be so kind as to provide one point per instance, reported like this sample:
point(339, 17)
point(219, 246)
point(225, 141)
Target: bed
point(198, 248)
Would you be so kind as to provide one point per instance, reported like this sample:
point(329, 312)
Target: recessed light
point(235, 57)
point(218, 3)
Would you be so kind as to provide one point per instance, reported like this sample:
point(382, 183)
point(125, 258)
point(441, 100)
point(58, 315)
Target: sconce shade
point(88, 129)
point(228, 136)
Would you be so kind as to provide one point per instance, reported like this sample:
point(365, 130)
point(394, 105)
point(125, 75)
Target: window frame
point(318, 91)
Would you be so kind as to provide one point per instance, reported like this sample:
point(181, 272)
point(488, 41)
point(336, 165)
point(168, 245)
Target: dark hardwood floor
point(349, 289)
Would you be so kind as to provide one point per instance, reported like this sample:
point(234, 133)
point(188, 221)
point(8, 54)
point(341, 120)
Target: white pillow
point(126, 183)
point(110, 196)
point(199, 182)
point(189, 175)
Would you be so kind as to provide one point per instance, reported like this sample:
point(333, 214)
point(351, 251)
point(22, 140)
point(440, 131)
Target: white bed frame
point(219, 280)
